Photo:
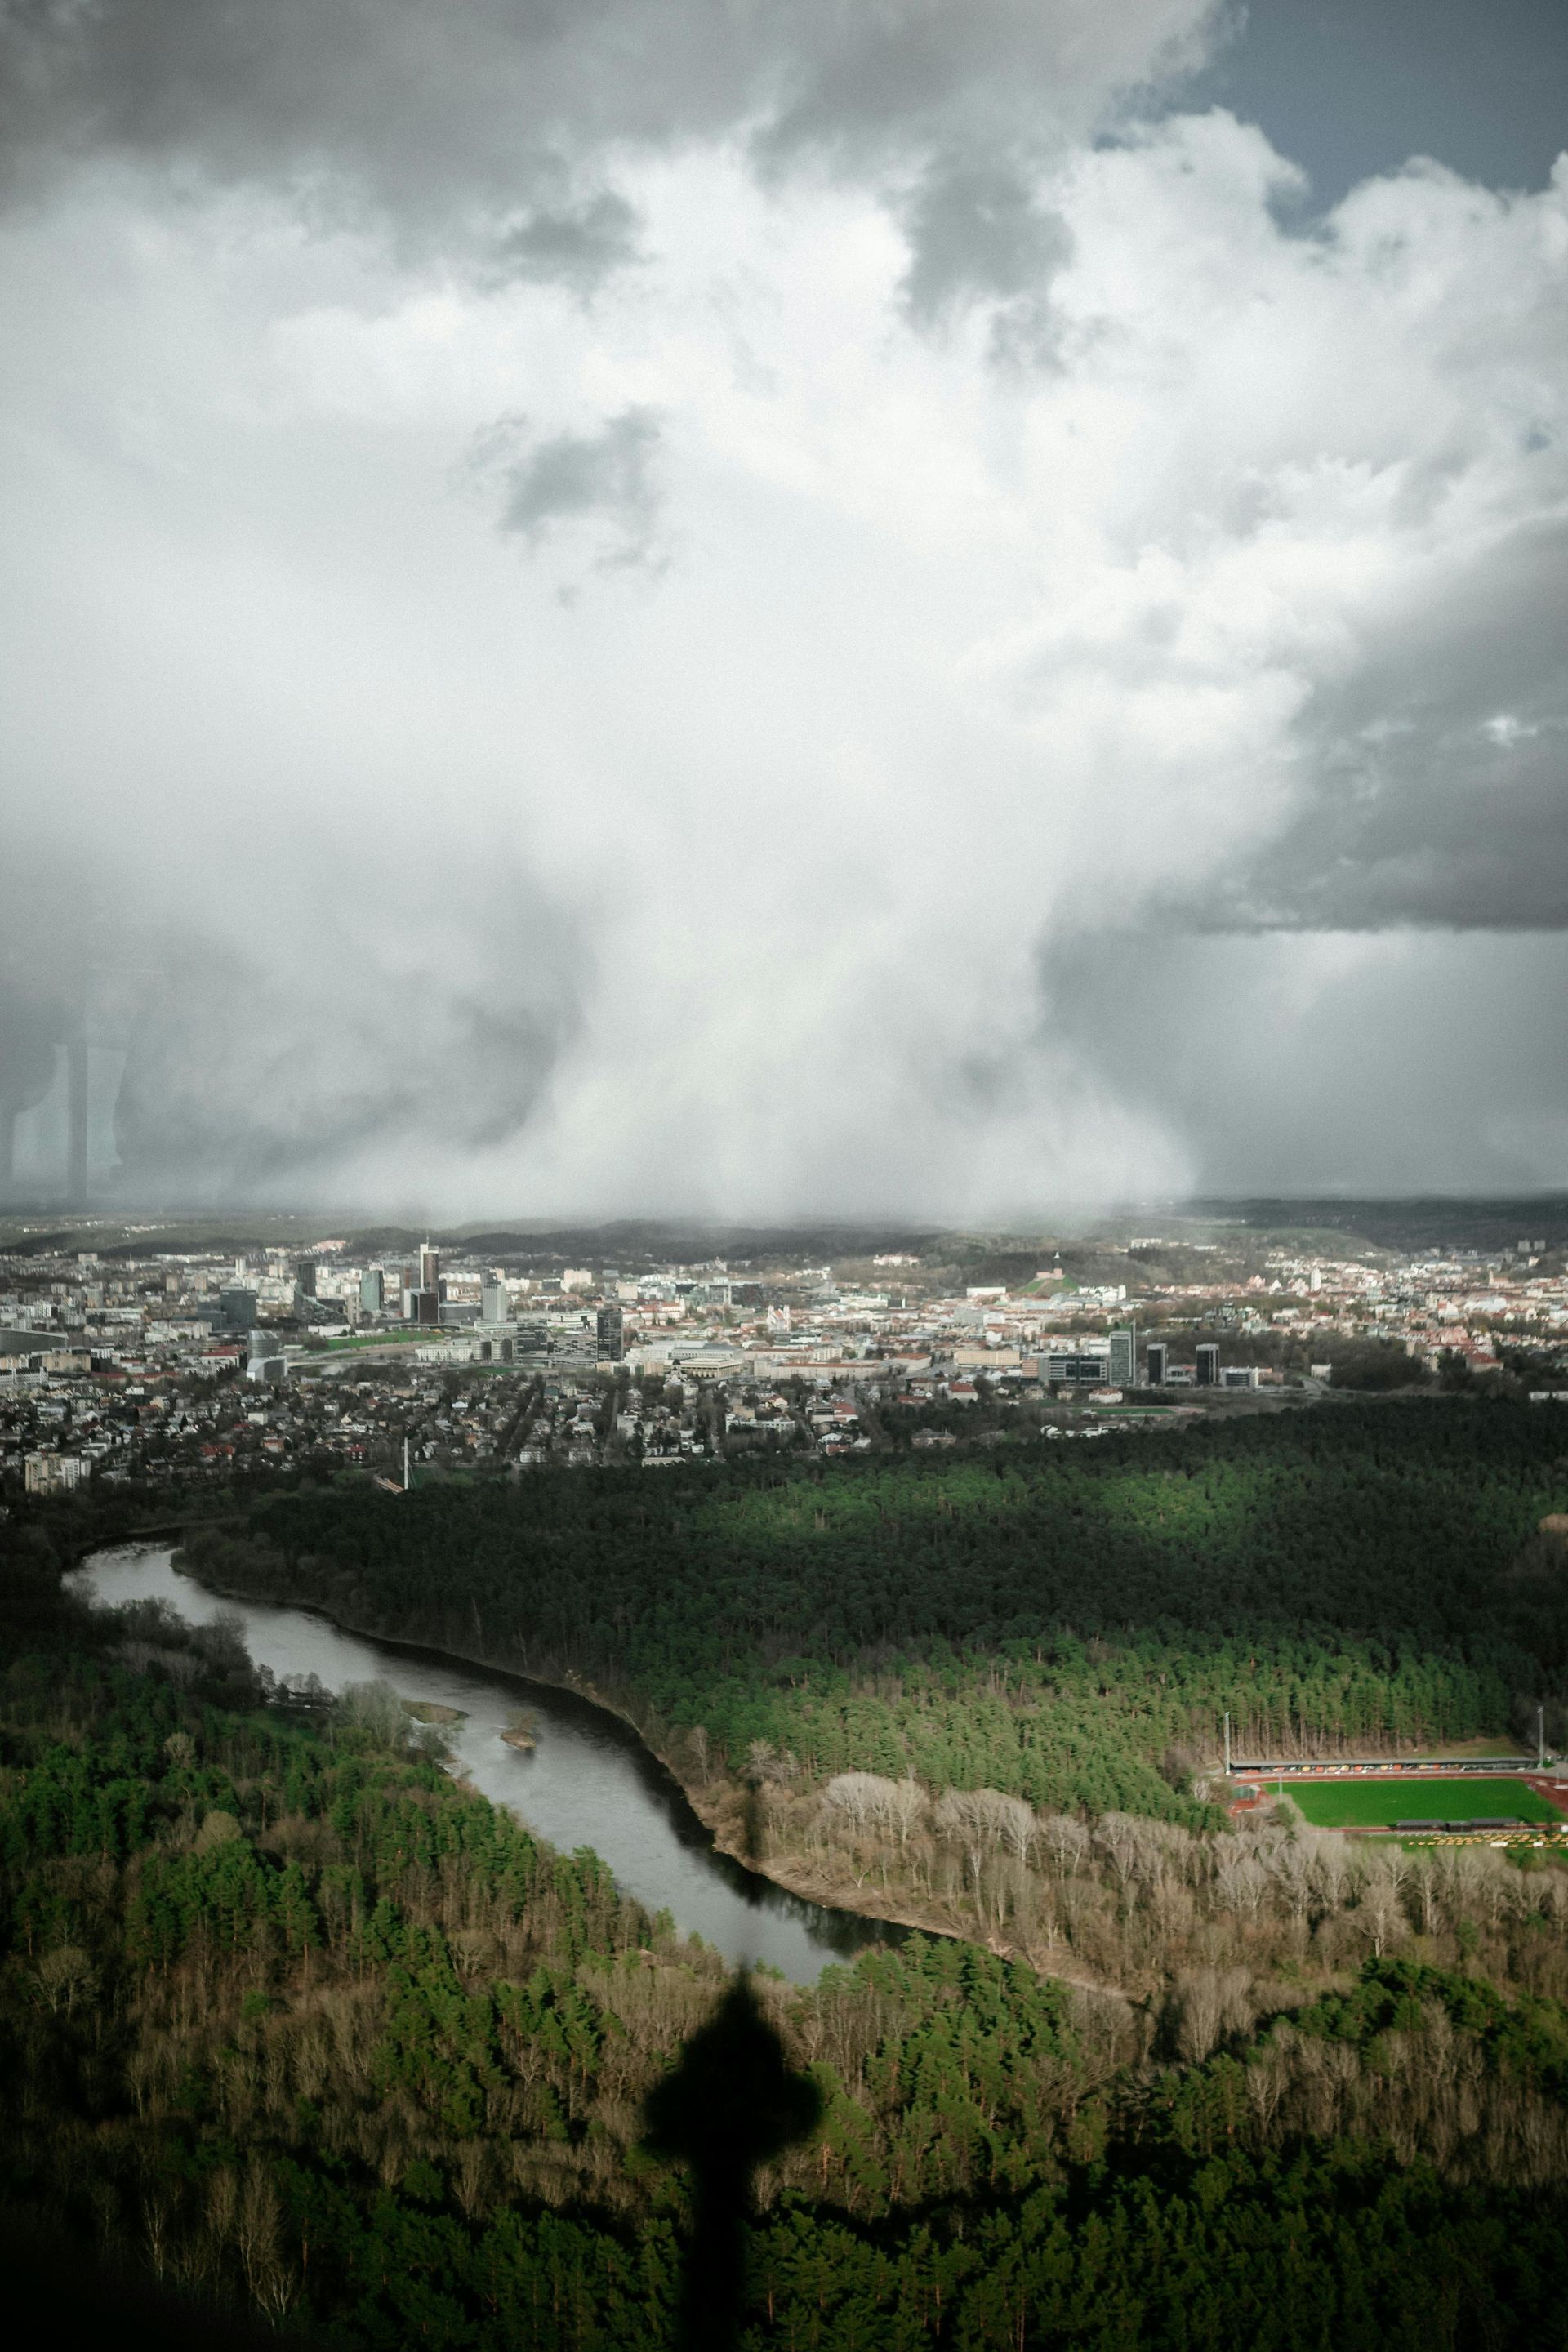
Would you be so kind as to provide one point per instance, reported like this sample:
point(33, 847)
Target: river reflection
point(589, 1781)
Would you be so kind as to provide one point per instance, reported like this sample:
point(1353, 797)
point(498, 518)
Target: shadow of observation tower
point(731, 2104)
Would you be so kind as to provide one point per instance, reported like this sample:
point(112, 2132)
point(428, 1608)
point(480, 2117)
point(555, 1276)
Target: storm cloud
point(727, 609)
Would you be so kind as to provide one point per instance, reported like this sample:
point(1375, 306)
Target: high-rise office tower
point(1208, 1365)
point(574, 1343)
point(1155, 1363)
point(373, 1290)
point(305, 1278)
point(1123, 1367)
point(495, 1307)
point(430, 1267)
point(612, 1335)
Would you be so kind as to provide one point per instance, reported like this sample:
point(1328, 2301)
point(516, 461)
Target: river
point(589, 1782)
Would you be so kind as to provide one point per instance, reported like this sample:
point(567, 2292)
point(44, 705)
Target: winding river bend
point(589, 1781)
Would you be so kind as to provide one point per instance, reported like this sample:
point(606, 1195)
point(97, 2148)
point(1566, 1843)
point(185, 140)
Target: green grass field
point(1375, 1804)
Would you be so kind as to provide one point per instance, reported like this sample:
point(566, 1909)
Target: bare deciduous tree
point(1066, 1840)
point(904, 1810)
point(65, 1977)
point(1210, 2003)
point(854, 1796)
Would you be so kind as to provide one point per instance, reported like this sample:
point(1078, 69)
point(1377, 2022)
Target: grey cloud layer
point(1397, 1066)
point(401, 91)
point(1227, 618)
point(1432, 781)
point(271, 1059)
point(235, 1083)
point(450, 119)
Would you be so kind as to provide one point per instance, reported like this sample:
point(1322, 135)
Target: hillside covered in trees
point(1067, 1627)
point(297, 2026)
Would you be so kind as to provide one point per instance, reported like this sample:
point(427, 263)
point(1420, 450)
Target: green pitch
point(1376, 1804)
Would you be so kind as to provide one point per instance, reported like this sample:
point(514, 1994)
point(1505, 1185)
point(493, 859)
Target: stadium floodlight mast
point(1227, 1743)
point(1540, 1737)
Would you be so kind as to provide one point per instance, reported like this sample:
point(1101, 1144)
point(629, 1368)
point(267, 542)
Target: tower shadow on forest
point(731, 2103)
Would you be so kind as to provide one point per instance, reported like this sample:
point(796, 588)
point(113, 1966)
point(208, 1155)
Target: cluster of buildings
point(155, 1363)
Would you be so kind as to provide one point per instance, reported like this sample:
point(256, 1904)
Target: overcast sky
point(941, 606)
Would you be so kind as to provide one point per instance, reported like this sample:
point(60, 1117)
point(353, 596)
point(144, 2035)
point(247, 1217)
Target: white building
point(53, 1474)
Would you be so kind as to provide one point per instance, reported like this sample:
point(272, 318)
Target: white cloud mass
point(981, 663)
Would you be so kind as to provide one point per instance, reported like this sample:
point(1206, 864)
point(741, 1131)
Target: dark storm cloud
point(1382, 1064)
point(1433, 779)
point(432, 113)
point(603, 477)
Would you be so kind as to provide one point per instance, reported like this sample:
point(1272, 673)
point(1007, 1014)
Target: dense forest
point(1066, 1628)
point(293, 2023)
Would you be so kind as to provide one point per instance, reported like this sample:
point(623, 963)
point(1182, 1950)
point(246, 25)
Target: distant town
point(145, 1361)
